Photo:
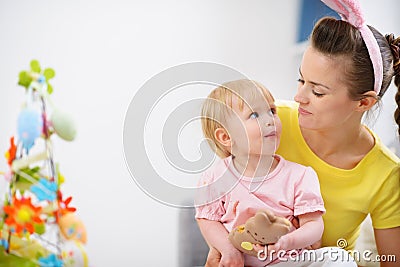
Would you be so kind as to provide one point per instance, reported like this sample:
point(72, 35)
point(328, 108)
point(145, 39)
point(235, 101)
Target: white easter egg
point(74, 254)
point(63, 125)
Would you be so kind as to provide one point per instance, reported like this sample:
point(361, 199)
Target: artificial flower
point(51, 261)
point(22, 215)
point(4, 243)
point(11, 152)
point(63, 206)
point(45, 190)
point(36, 74)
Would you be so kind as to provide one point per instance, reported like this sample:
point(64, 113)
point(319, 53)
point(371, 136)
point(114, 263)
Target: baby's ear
point(222, 136)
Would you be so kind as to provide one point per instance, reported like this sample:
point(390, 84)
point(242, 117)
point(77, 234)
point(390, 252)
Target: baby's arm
point(216, 236)
point(309, 232)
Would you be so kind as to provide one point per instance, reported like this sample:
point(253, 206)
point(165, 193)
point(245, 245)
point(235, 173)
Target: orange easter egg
point(72, 228)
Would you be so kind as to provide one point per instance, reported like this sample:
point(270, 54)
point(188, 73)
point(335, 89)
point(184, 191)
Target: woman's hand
point(222, 252)
point(316, 245)
point(231, 257)
point(213, 258)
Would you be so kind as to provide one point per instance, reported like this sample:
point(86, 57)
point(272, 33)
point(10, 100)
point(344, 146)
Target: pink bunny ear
point(350, 11)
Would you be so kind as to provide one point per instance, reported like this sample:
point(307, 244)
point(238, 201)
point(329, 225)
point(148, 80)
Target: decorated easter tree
point(38, 227)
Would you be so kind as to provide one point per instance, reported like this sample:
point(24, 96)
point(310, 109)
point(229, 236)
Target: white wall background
point(103, 51)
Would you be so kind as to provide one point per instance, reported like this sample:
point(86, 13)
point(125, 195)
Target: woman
point(357, 173)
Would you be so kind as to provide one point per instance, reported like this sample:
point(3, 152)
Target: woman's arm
point(309, 232)
point(388, 245)
point(216, 237)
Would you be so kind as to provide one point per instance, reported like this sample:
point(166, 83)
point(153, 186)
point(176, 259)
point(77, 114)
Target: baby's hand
point(261, 249)
point(265, 251)
point(285, 242)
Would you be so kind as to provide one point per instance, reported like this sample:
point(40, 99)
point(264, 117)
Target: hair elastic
point(350, 11)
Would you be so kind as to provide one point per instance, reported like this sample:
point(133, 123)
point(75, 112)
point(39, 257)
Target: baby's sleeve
point(207, 205)
point(308, 194)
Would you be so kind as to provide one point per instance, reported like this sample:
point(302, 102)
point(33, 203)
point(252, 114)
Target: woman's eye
point(254, 115)
point(317, 94)
point(300, 80)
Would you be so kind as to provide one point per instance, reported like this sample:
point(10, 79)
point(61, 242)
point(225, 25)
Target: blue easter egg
point(30, 125)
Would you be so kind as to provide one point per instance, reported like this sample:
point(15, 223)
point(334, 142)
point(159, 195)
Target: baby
point(240, 122)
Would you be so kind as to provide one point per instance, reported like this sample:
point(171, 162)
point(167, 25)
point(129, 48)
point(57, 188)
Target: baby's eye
point(254, 115)
point(272, 111)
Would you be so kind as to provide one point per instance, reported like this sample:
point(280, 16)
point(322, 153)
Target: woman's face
point(322, 94)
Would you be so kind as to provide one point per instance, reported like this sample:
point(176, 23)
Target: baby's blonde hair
point(218, 105)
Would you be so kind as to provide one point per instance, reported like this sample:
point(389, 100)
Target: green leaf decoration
point(49, 73)
point(39, 228)
point(24, 79)
point(27, 77)
point(7, 260)
point(33, 172)
point(35, 66)
point(24, 184)
point(49, 89)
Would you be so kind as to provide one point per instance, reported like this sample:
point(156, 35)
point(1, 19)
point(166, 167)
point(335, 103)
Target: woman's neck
point(342, 148)
point(255, 166)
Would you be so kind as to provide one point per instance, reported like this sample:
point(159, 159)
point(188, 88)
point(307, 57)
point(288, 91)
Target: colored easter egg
point(74, 254)
point(29, 125)
point(63, 125)
point(72, 228)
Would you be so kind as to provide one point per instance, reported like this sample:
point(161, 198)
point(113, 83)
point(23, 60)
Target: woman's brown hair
point(334, 37)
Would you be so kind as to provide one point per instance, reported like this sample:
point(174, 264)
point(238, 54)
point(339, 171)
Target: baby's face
point(255, 129)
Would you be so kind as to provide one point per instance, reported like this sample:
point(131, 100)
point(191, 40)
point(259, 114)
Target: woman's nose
point(300, 96)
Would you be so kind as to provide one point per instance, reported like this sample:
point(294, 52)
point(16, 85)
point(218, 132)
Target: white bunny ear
point(349, 10)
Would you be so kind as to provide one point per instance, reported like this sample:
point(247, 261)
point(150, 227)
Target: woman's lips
point(304, 112)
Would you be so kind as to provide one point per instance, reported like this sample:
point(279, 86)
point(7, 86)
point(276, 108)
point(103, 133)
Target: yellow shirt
point(373, 186)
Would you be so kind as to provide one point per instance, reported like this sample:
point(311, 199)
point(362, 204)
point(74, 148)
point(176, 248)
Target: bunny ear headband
point(350, 11)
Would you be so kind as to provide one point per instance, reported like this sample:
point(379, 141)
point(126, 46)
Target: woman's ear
point(368, 101)
point(222, 136)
